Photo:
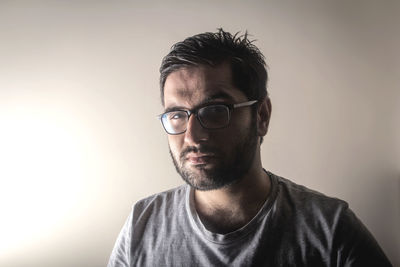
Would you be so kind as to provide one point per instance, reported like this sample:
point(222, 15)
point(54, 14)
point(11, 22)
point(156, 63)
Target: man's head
point(215, 120)
point(211, 49)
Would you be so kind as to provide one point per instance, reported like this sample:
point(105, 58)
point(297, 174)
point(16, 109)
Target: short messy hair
point(249, 70)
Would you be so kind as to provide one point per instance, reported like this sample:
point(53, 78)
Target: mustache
point(198, 149)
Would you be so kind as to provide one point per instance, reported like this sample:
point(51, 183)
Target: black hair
point(247, 62)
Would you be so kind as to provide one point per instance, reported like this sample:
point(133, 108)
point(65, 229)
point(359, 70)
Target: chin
point(205, 178)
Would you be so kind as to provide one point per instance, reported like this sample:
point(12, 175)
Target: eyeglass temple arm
point(244, 104)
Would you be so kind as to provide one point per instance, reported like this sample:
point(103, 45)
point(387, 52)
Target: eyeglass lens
point(211, 117)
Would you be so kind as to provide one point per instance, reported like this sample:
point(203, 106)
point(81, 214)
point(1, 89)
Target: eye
point(213, 110)
point(176, 115)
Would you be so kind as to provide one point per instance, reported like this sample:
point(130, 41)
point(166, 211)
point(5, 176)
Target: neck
point(230, 208)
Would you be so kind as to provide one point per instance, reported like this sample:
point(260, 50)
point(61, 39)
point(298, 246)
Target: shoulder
point(163, 196)
point(323, 225)
point(304, 198)
point(148, 216)
point(162, 202)
point(309, 210)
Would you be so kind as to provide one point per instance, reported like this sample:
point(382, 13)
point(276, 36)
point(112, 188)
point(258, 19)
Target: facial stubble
point(230, 167)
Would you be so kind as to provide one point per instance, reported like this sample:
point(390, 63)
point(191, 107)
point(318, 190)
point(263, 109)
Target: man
point(232, 212)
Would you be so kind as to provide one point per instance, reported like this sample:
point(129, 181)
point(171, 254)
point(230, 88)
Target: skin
point(230, 207)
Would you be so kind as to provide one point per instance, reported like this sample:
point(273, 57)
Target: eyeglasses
point(210, 117)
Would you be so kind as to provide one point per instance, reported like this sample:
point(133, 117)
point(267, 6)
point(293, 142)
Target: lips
point(199, 158)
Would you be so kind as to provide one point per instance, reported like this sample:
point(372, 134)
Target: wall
point(79, 138)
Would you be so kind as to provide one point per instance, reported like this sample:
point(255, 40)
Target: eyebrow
point(219, 95)
point(174, 108)
point(207, 100)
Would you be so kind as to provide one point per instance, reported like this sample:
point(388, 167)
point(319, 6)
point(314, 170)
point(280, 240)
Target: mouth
point(200, 158)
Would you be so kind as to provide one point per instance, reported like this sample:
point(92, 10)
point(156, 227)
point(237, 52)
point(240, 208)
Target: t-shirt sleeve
point(120, 255)
point(355, 245)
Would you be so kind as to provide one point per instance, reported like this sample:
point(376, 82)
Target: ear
point(263, 116)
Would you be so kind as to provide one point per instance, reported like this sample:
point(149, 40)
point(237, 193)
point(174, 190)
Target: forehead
point(191, 86)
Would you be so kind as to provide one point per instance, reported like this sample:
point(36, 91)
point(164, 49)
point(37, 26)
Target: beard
point(230, 166)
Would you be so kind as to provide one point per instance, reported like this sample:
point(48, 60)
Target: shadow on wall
point(375, 205)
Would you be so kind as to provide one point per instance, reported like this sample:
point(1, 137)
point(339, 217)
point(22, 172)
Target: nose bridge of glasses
point(195, 113)
point(194, 129)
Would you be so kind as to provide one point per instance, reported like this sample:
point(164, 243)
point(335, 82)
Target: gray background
point(79, 138)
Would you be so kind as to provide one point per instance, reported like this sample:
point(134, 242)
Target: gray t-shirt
point(295, 227)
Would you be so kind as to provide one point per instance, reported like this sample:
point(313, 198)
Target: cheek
point(240, 124)
point(175, 143)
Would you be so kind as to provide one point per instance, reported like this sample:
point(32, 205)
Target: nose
point(195, 133)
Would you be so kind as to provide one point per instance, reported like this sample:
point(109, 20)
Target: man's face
point(210, 159)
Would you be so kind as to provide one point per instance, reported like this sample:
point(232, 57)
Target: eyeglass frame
point(195, 111)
